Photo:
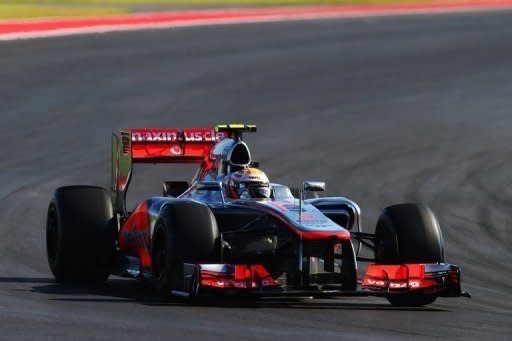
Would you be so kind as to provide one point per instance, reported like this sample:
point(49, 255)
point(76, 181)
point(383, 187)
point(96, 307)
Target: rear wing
point(189, 145)
point(163, 145)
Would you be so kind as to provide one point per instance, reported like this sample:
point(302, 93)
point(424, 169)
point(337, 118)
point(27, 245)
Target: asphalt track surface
point(386, 110)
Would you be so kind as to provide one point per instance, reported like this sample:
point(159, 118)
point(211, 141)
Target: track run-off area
point(384, 109)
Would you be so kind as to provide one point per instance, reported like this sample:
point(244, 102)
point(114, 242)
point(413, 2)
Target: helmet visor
point(258, 191)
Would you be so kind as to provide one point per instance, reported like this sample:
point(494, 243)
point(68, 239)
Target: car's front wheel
point(408, 233)
point(186, 232)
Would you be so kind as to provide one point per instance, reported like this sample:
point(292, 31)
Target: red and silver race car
point(231, 231)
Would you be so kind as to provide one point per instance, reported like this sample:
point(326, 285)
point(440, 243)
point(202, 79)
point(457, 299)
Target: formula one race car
point(230, 231)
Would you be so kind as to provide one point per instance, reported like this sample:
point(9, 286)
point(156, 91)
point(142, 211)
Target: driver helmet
point(248, 183)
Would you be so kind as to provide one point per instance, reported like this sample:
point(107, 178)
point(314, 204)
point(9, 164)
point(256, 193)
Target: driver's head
point(248, 183)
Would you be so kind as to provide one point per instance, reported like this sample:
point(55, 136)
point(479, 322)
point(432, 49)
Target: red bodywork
point(134, 236)
point(171, 145)
point(407, 277)
point(243, 276)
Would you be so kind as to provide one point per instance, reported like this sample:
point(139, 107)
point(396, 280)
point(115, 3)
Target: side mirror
point(314, 186)
point(208, 186)
point(309, 186)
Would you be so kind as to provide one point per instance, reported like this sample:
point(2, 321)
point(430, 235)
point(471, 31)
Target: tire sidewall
point(188, 231)
point(408, 233)
point(163, 267)
point(85, 247)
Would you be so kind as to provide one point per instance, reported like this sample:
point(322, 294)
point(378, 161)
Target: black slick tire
point(348, 266)
point(408, 233)
point(186, 232)
point(80, 236)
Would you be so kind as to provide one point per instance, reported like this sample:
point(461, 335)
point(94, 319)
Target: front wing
point(439, 279)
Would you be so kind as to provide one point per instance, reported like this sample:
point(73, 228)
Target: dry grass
point(15, 11)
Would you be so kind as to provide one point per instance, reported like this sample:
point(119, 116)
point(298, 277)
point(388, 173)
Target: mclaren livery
point(231, 231)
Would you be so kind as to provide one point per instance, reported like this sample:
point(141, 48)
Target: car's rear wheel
point(186, 232)
point(408, 233)
point(80, 238)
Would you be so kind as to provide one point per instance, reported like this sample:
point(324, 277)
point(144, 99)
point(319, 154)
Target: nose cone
point(318, 235)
